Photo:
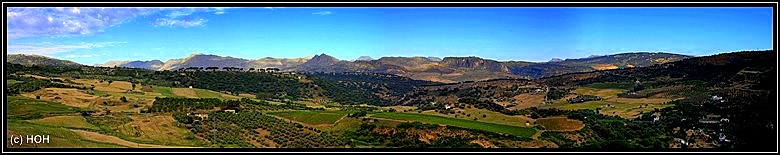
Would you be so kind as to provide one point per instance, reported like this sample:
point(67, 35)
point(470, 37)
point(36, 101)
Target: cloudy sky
point(96, 35)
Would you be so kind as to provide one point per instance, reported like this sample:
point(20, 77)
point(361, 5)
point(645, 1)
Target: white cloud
point(32, 22)
point(50, 22)
point(48, 48)
point(179, 22)
point(322, 13)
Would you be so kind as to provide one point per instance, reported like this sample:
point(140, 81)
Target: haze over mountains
point(448, 69)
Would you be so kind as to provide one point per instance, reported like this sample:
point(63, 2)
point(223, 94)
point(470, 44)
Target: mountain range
point(448, 69)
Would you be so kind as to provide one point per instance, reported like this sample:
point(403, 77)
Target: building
point(231, 111)
point(715, 98)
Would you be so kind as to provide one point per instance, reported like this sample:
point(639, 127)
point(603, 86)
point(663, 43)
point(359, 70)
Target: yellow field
point(184, 92)
point(116, 86)
point(68, 96)
point(66, 121)
point(526, 100)
point(560, 124)
point(160, 129)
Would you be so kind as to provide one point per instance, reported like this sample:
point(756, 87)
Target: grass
point(59, 137)
point(162, 130)
point(312, 117)
point(165, 91)
point(77, 122)
point(491, 127)
point(346, 124)
point(625, 110)
point(560, 124)
point(202, 93)
point(10, 82)
point(603, 93)
point(28, 108)
point(491, 116)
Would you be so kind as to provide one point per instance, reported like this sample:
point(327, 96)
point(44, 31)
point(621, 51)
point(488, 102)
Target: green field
point(20, 107)
point(603, 93)
point(491, 127)
point(202, 93)
point(612, 85)
point(165, 91)
point(10, 82)
point(77, 122)
point(59, 137)
point(313, 117)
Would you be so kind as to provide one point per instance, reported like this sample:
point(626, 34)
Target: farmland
point(560, 124)
point(499, 128)
point(313, 117)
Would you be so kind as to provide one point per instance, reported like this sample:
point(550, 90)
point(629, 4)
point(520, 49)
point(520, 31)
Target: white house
point(230, 111)
point(447, 107)
point(715, 97)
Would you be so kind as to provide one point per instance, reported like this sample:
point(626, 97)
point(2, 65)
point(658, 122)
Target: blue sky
point(96, 35)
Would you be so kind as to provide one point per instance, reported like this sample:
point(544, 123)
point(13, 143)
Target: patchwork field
point(611, 103)
point(19, 107)
point(68, 96)
point(491, 127)
point(160, 130)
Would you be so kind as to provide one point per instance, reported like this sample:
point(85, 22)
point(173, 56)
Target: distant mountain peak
point(593, 56)
point(364, 58)
point(434, 58)
point(321, 60)
point(555, 60)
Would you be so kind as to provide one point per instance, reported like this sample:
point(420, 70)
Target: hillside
point(448, 69)
point(639, 107)
point(150, 65)
point(204, 60)
point(28, 60)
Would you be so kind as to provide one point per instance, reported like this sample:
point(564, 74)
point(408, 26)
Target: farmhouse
point(202, 116)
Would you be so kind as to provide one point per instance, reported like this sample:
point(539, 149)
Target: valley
point(631, 104)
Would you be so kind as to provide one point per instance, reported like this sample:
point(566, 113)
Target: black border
point(391, 4)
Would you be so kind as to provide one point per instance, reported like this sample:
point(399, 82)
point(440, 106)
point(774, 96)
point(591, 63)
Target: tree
point(123, 99)
point(133, 85)
point(110, 81)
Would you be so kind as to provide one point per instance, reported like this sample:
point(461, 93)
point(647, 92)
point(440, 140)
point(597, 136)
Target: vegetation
point(583, 98)
point(312, 117)
point(491, 127)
